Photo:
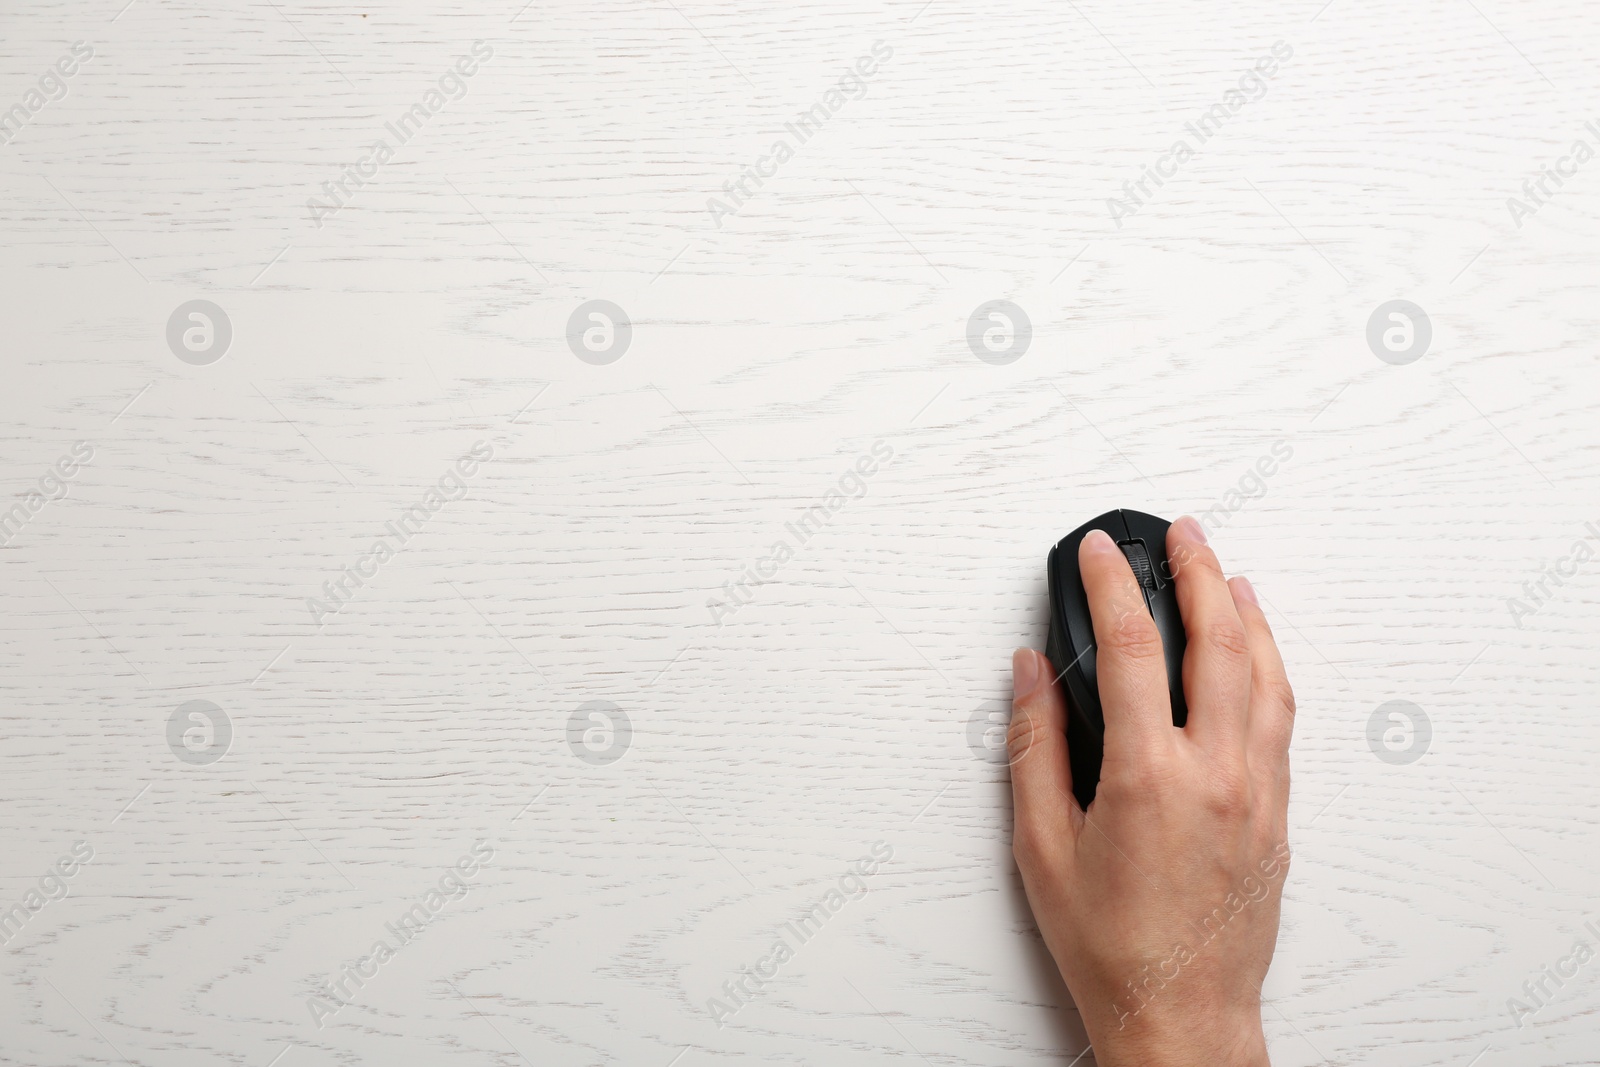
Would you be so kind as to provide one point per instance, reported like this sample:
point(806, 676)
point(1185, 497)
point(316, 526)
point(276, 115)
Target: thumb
point(1041, 777)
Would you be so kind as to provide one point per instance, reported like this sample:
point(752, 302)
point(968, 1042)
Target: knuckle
point(1227, 636)
point(1020, 734)
point(1280, 694)
point(1227, 794)
point(1118, 783)
point(1133, 634)
point(1161, 786)
point(1140, 778)
point(1033, 847)
point(1270, 845)
point(1202, 558)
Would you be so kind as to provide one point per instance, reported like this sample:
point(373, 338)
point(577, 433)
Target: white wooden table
point(351, 745)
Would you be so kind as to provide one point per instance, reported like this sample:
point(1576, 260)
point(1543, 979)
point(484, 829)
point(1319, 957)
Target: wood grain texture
point(826, 314)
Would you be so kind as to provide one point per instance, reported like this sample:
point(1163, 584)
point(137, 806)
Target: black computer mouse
point(1143, 539)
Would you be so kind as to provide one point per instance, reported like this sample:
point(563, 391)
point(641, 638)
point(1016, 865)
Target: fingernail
point(1247, 590)
point(1024, 673)
point(1099, 541)
point(1192, 529)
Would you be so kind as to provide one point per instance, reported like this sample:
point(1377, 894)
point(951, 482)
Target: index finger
point(1129, 664)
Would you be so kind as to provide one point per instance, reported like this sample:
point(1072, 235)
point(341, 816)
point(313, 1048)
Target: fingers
point(1129, 667)
point(1271, 698)
point(1216, 665)
point(1041, 777)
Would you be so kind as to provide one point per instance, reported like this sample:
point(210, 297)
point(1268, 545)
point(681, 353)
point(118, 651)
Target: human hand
point(1160, 903)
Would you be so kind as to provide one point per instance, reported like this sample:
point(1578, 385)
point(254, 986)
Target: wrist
point(1196, 1042)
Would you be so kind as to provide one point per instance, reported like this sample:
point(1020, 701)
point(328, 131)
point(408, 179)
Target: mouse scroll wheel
point(1139, 560)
